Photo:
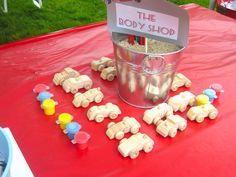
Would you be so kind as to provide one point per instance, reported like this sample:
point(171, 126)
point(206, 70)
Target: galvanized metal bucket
point(144, 79)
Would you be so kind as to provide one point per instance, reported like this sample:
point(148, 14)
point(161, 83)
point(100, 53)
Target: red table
point(206, 149)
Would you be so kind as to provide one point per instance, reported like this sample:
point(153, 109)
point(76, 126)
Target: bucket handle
point(153, 64)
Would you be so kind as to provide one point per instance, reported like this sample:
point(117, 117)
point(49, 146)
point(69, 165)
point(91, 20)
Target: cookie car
point(131, 146)
point(108, 73)
point(117, 130)
point(181, 101)
point(98, 113)
point(83, 99)
point(74, 84)
point(156, 113)
point(166, 128)
point(198, 113)
point(67, 73)
point(179, 81)
point(103, 62)
point(178, 120)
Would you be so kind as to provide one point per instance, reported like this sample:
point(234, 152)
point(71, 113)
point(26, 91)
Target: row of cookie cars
point(132, 146)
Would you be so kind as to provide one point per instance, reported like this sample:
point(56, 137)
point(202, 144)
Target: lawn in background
point(203, 3)
point(25, 20)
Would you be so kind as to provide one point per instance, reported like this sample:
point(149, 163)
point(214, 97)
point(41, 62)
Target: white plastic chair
point(5, 9)
point(38, 3)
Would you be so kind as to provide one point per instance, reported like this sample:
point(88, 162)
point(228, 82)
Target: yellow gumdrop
point(64, 119)
point(49, 107)
point(202, 100)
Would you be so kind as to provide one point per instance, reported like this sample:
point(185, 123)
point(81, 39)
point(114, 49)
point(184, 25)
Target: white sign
point(147, 21)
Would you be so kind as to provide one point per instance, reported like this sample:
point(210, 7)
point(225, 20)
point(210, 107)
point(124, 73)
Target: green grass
point(203, 3)
point(25, 20)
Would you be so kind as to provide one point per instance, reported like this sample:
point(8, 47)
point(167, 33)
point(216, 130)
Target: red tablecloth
point(206, 149)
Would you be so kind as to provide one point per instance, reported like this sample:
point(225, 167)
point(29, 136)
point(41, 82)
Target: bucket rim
point(148, 54)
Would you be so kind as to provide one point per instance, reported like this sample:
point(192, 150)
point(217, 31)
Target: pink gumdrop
point(40, 88)
point(218, 88)
point(82, 139)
